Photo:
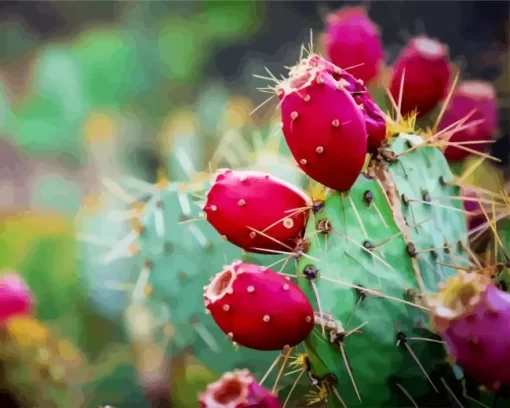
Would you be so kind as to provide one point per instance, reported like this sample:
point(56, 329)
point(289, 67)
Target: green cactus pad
point(394, 234)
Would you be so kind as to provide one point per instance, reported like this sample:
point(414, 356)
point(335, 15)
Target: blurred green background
point(95, 90)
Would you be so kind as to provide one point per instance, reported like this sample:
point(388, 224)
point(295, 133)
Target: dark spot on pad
point(441, 181)
point(446, 248)
point(168, 248)
point(401, 338)
point(324, 226)
point(367, 176)
point(368, 245)
point(368, 196)
point(360, 293)
point(434, 254)
point(411, 250)
point(310, 272)
point(405, 200)
point(181, 276)
point(317, 206)
point(425, 195)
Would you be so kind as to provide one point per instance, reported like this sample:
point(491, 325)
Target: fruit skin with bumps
point(477, 96)
point(258, 308)
point(15, 297)
point(242, 204)
point(353, 42)
point(237, 389)
point(375, 121)
point(323, 126)
point(473, 317)
point(424, 64)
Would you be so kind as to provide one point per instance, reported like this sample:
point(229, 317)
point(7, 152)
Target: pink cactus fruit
point(15, 297)
point(475, 216)
point(477, 96)
point(258, 308)
point(375, 121)
point(237, 389)
point(323, 126)
point(354, 42)
point(473, 317)
point(256, 211)
point(425, 66)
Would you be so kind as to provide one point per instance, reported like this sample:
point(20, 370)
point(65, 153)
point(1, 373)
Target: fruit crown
point(457, 297)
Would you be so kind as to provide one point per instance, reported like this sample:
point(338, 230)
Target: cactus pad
point(393, 233)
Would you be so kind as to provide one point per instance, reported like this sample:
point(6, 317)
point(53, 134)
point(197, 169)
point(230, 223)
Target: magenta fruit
point(477, 96)
point(473, 317)
point(15, 297)
point(353, 41)
point(425, 66)
point(256, 211)
point(258, 308)
point(237, 389)
point(323, 125)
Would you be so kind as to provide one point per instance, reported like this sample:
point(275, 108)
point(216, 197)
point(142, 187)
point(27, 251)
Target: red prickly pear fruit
point(15, 297)
point(323, 126)
point(479, 96)
point(425, 66)
point(375, 121)
point(473, 317)
point(354, 42)
point(240, 202)
point(237, 389)
point(258, 308)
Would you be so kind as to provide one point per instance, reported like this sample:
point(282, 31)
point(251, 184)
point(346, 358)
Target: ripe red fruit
point(473, 317)
point(258, 308)
point(323, 126)
point(241, 201)
point(426, 66)
point(375, 121)
point(237, 389)
point(353, 41)
point(471, 95)
point(15, 297)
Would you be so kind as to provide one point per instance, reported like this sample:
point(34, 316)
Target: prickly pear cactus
point(373, 251)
